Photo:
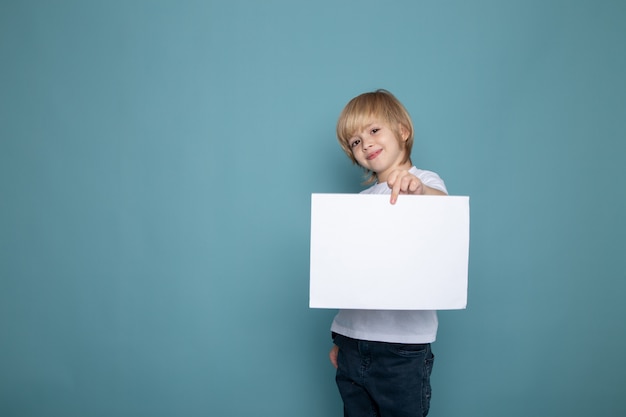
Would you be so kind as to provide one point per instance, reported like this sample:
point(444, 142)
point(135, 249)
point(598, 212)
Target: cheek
point(358, 158)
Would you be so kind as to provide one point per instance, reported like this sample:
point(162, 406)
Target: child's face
point(377, 148)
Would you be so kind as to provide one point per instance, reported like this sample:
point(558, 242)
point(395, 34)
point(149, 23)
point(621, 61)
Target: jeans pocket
point(409, 350)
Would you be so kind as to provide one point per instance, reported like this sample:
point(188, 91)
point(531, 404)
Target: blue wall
point(156, 165)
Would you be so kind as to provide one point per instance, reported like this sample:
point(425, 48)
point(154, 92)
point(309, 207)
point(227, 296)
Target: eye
point(374, 130)
point(355, 142)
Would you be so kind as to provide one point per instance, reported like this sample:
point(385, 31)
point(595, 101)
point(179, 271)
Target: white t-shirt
point(393, 326)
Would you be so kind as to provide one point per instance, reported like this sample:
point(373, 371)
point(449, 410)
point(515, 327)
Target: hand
point(333, 355)
point(403, 182)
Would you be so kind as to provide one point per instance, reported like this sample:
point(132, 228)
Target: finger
point(407, 183)
point(395, 191)
point(392, 178)
point(414, 186)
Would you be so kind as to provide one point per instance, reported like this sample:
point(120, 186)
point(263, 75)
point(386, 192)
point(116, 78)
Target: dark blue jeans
point(377, 379)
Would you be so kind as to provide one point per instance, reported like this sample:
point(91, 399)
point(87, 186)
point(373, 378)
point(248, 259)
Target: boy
point(384, 358)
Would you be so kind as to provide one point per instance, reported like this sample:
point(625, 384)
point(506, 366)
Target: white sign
point(369, 254)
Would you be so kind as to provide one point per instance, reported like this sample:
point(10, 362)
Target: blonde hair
point(359, 112)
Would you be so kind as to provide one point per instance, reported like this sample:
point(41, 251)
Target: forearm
point(432, 191)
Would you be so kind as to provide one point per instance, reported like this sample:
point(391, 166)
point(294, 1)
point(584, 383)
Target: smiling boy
point(384, 358)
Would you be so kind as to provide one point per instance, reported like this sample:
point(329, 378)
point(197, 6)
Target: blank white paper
point(369, 254)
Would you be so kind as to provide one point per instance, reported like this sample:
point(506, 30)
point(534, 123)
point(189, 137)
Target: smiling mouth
point(373, 155)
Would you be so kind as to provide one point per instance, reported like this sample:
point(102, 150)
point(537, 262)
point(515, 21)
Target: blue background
point(156, 165)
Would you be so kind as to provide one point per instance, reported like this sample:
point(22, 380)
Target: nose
point(366, 142)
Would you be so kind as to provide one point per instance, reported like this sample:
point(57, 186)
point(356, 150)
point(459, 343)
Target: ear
point(404, 132)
